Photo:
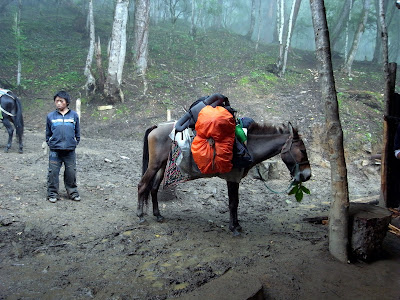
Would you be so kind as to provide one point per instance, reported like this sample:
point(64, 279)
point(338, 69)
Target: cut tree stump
point(368, 227)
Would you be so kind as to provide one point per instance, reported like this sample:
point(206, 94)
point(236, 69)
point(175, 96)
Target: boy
point(62, 137)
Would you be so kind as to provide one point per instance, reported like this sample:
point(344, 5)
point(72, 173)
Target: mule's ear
point(290, 128)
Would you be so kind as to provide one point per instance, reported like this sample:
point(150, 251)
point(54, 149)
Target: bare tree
point(338, 214)
point(259, 25)
point(292, 21)
point(141, 47)
point(343, 16)
point(356, 41)
point(252, 20)
point(90, 82)
point(100, 70)
point(18, 39)
point(280, 16)
point(116, 60)
point(192, 23)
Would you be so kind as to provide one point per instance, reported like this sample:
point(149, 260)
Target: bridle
point(287, 147)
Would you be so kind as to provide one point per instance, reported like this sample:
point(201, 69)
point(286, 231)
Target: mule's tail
point(18, 119)
point(145, 159)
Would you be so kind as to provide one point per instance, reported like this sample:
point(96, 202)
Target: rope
point(275, 192)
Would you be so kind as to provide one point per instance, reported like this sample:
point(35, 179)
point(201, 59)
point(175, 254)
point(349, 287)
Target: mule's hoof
point(236, 233)
point(142, 221)
point(160, 219)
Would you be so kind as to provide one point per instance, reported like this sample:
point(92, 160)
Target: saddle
point(218, 142)
point(9, 94)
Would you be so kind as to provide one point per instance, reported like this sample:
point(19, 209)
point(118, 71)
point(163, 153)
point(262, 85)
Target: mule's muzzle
point(302, 176)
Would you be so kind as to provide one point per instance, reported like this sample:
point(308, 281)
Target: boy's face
point(61, 103)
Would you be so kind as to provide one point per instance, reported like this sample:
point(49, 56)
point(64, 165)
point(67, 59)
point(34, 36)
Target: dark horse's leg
point(155, 154)
point(144, 188)
point(10, 130)
point(233, 193)
point(21, 144)
point(154, 191)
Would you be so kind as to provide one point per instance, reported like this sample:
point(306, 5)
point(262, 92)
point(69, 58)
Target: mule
point(263, 142)
point(11, 110)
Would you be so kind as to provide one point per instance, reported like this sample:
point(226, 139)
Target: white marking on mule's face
point(303, 175)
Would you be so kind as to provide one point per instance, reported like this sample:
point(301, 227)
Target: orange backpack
point(212, 147)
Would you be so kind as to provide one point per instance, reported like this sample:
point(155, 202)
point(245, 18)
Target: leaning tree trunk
point(141, 48)
point(338, 28)
point(116, 60)
point(356, 41)
point(338, 214)
point(90, 82)
point(346, 54)
point(292, 21)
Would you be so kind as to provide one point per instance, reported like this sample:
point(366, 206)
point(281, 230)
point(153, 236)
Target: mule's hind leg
point(10, 131)
point(144, 188)
point(154, 191)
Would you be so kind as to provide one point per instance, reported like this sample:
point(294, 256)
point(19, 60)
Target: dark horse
point(264, 141)
point(11, 110)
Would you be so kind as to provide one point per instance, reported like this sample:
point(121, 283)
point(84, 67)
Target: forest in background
point(33, 32)
point(183, 65)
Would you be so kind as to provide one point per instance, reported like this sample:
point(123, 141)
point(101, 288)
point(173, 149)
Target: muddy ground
point(95, 249)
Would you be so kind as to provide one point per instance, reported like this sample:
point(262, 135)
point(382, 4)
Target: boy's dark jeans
point(56, 159)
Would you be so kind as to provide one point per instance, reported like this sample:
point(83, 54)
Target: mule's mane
point(259, 129)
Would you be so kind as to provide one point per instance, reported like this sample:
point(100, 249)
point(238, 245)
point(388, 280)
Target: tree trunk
point(112, 88)
point(252, 20)
point(100, 69)
point(347, 31)
point(141, 48)
point(338, 214)
point(18, 41)
point(192, 23)
point(280, 16)
point(259, 25)
point(385, 52)
point(389, 97)
point(90, 83)
point(343, 15)
point(357, 37)
point(292, 22)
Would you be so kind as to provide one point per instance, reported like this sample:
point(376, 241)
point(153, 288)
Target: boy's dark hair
point(64, 95)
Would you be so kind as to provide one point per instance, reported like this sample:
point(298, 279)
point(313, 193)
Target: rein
point(275, 192)
point(286, 148)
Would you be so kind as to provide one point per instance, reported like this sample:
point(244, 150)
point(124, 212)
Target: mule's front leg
point(233, 194)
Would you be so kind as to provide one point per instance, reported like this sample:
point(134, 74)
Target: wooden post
point(168, 115)
point(78, 107)
point(390, 170)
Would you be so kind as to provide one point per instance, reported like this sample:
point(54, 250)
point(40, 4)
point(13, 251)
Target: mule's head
point(294, 155)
